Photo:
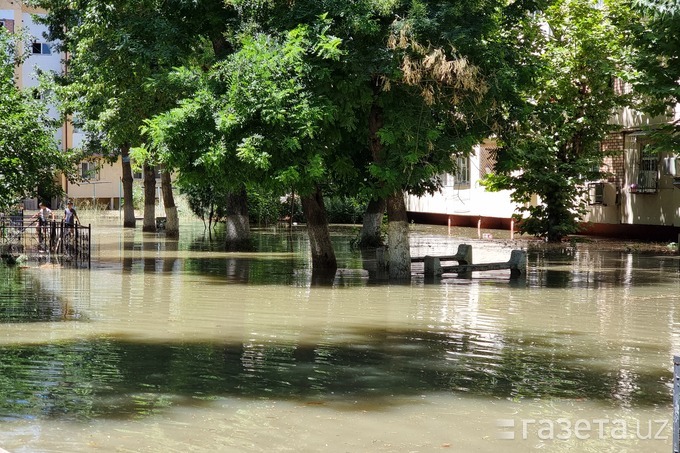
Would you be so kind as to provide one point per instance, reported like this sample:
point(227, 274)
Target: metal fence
point(20, 236)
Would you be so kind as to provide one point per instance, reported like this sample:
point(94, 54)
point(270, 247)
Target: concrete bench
point(463, 256)
point(517, 264)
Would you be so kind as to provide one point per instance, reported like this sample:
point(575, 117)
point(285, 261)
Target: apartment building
point(99, 181)
point(639, 196)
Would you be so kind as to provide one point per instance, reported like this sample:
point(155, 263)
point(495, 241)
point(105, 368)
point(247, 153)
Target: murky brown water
point(166, 346)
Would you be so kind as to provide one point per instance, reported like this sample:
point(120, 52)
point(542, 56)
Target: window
point(7, 24)
point(447, 179)
point(89, 171)
point(648, 174)
point(462, 175)
point(596, 193)
point(41, 48)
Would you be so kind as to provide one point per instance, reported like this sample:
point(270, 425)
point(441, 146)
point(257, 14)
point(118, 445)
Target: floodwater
point(166, 346)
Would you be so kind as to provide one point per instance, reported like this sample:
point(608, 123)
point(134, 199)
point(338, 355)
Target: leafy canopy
point(553, 146)
point(29, 154)
point(655, 55)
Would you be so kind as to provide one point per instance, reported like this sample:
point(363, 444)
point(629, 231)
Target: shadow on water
point(114, 378)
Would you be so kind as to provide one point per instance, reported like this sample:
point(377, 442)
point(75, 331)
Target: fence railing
point(26, 236)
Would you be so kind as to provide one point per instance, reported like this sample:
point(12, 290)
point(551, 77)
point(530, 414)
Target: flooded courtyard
point(180, 346)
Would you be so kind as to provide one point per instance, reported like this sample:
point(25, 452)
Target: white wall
point(473, 200)
point(51, 62)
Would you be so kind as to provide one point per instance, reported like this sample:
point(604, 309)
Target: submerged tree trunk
point(171, 217)
point(370, 230)
point(149, 224)
point(237, 222)
point(399, 251)
point(324, 263)
point(128, 204)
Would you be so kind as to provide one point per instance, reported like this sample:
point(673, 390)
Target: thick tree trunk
point(128, 204)
point(149, 224)
point(238, 222)
point(370, 230)
point(172, 219)
point(324, 262)
point(398, 248)
point(398, 239)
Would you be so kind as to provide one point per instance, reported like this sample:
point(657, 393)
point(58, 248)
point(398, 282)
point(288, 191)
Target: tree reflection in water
point(117, 378)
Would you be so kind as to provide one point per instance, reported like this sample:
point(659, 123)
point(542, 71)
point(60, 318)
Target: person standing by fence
point(43, 216)
point(70, 216)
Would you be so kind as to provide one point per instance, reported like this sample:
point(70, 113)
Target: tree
point(434, 87)
point(118, 58)
point(655, 40)
point(29, 155)
point(331, 95)
point(415, 87)
point(551, 144)
point(253, 119)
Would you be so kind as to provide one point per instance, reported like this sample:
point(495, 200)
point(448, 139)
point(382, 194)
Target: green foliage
point(29, 154)
point(348, 210)
point(252, 117)
point(204, 200)
point(120, 56)
point(267, 114)
point(292, 103)
point(265, 207)
point(550, 146)
point(655, 52)
point(138, 196)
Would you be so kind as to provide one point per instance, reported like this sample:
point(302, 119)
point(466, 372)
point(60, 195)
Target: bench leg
point(518, 263)
point(433, 267)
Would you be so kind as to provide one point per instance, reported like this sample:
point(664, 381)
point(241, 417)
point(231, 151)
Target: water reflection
point(590, 268)
point(116, 378)
point(179, 322)
point(30, 300)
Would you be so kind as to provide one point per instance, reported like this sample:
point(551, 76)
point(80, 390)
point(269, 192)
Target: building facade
point(463, 201)
point(99, 181)
point(638, 198)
